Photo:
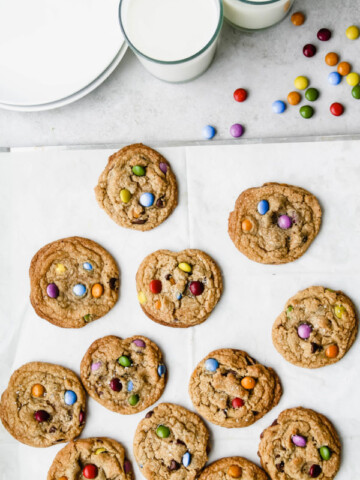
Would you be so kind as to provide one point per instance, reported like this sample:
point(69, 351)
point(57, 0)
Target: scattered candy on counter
point(236, 130)
point(278, 106)
point(297, 18)
point(306, 111)
point(299, 441)
point(240, 95)
point(301, 82)
point(352, 32)
point(344, 68)
point(309, 50)
point(294, 98)
point(336, 109)
point(331, 59)
point(312, 94)
point(353, 79)
point(208, 132)
point(324, 34)
point(334, 78)
point(355, 92)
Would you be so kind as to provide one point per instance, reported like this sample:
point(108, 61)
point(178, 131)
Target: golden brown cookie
point(178, 289)
point(229, 388)
point(138, 188)
point(316, 328)
point(275, 223)
point(301, 444)
point(100, 458)
point(73, 282)
point(125, 376)
point(233, 467)
point(44, 404)
point(171, 443)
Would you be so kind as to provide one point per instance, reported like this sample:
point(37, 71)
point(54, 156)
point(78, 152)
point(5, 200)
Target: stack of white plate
point(53, 52)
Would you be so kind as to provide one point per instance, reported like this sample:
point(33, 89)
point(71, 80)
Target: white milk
point(256, 14)
point(174, 39)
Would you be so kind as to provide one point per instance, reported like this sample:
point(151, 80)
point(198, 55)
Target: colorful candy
point(237, 402)
point(127, 467)
point(353, 79)
point(278, 106)
point(304, 331)
point(315, 471)
point(139, 343)
point(263, 207)
point(88, 317)
point(99, 451)
point(142, 298)
point(297, 18)
point(97, 290)
point(37, 390)
point(334, 78)
point(299, 441)
point(87, 266)
point(336, 109)
point(162, 431)
point(52, 290)
point(325, 453)
point(163, 167)
point(95, 366)
point(306, 111)
point(70, 397)
point(344, 68)
point(115, 385)
point(240, 95)
point(234, 471)
point(130, 386)
point(155, 286)
point(236, 130)
point(79, 289)
point(294, 98)
point(355, 92)
point(332, 351)
point(63, 478)
point(208, 132)
point(161, 370)
point(60, 268)
point(124, 361)
point(246, 225)
point(289, 309)
point(178, 296)
point(211, 364)
point(186, 459)
point(196, 288)
point(133, 399)
point(90, 471)
point(324, 34)
point(309, 50)
point(158, 305)
point(301, 82)
point(125, 195)
point(138, 170)
point(82, 417)
point(331, 59)
point(284, 222)
point(41, 416)
point(352, 32)
point(248, 383)
point(185, 267)
point(147, 199)
point(312, 94)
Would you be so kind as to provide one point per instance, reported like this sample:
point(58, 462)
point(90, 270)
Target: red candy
point(115, 385)
point(82, 417)
point(336, 109)
point(240, 95)
point(196, 288)
point(41, 416)
point(309, 50)
point(324, 34)
point(90, 471)
point(237, 403)
point(155, 286)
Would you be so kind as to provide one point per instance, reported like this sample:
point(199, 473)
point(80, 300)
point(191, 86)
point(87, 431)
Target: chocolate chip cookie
point(316, 328)
point(138, 188)
point(73, 282)
point(301, 444)
point(229, 388)
point(125, 376)
point(171, 443)
point(44, 404)
point(233, 467)
point(101, 458)
point(178, 289)
point(275, 223)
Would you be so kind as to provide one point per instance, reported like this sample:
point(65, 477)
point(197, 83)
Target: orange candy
point(157, 304)
point(344, 68)
point(63, 478)
point(37, 390)
point(297, 18)
point(332, 351)
point(234, 471)
point(97, 290)
point(294, 98)
point(246, 225)
point(248, 383)
point(331, 59)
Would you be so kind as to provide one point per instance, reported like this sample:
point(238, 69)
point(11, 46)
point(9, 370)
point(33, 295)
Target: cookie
point(178, 289)
point(233, 467)
point(44, 404)
point(229, 388)
point(125, 376)
point(138, 188)
point(73, 282)
point(171, 442)
point(301, 444)
point(275, 223)
point(316, 328)
point(100, 458)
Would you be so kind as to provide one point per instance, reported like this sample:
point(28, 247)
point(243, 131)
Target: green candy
point(162, 431)
point(138, 170)
point(134, 399)
point(88, 317)
point(306, 111)
point(289, 309)
point(325, 453)
point(124, 361)
point(312, 94)
point(355, 92)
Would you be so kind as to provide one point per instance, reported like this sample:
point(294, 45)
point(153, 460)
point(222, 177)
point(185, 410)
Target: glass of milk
point(255, 14)
point(174, 39)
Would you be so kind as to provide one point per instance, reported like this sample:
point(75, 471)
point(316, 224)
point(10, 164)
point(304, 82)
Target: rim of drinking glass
point(265, 2)
point(183, 60)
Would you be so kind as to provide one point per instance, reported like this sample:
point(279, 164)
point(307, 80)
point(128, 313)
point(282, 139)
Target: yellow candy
point(352, 32)
point(185, 267)
point(301, 83)
point(339, 310)
point(60, 268)
point(142, 298)
point(125, 195)
point(99, 450)
point(353, 79)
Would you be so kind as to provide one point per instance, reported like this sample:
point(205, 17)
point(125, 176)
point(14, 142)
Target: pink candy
point(299, 440)
point(304, 331)
point(95, 366)
point(284, 222)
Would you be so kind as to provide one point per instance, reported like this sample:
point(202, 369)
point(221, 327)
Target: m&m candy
point(353, 79)
point(306, 111)
point(147, 199)
point(301, 82)
point(336, 109)
point(125, 195)
point(138, 170)
point(52, 290)
point(240, 95)
point(115, 385)
point(352, 32)
point(324, 34)
point(284, 222)
point(90, 471)
point(297, 18)
point(155, 286)
point(237, 402)
point(334, 78)
point(332, 351)
point(248, 383)
point(246, 225)
point(331, 59)
point(344, 68)
point(355, 92)
point(278, 106)
point(87, 266)
point(97, 290)
point(211, 364)
point(236, 130)
point(196, 288)
point(70, 397)
point(299, 441)
point(162, 431)
point(208, 132)
point(79, 289)
point(37, 390)
point(309, 50)
point(263, 207)
point(294, 98)
point(312, 94)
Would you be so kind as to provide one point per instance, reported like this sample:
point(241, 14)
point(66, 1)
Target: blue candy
point(87, 266)
point(278, 106)
point(79, 289)
point(179, 296)
point(147, 199)
point(161, 370)
point(211, 364)
point(70, 397)
point(186, 459)
point(263, 207)
point(130, 386)
point(334, 78)
point(208, 132)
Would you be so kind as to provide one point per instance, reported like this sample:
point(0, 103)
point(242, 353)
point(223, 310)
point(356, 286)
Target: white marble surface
point(133, 106)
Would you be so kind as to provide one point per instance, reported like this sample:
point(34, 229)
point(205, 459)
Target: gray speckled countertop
point(133, 106)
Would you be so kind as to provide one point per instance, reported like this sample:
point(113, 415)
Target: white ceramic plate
point(53, 49)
